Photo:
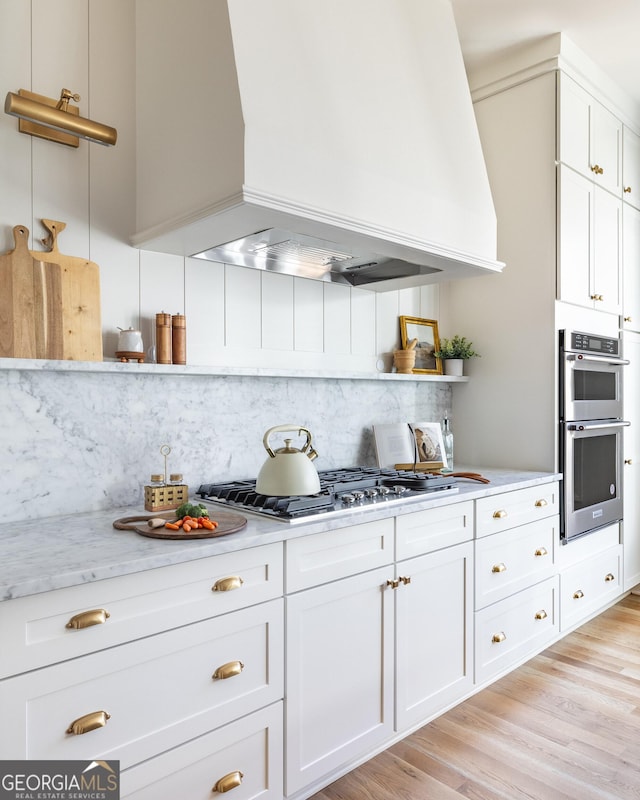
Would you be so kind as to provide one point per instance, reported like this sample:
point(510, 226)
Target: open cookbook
point(409, 445)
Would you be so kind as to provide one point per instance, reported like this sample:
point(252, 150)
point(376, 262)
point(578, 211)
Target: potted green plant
point(454, 352)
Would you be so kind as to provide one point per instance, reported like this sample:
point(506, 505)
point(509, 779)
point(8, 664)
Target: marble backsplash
point(89, 441)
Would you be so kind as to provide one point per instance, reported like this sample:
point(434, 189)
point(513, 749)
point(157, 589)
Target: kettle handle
point(281, 429)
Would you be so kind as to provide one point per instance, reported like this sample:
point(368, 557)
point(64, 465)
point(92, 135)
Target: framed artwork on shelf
point(426, 332)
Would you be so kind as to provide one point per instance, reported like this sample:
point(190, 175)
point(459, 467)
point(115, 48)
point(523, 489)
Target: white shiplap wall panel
point(277, 311)
point(387, 327)
point(243, 304)
point(429, 302)
point(15, 161)
point(111, 100)
point(363, 322)
point(60, 59)
point(308, 315)
point(337, 319)
point(204, 309)
point(161, 290)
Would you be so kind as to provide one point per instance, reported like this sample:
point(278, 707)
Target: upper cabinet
point(631, 167)
point(590, 136)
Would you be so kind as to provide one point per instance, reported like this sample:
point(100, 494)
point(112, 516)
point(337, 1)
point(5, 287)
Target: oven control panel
point(588, 343)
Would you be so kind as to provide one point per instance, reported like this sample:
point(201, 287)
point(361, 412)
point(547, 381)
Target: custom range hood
point(331, 140)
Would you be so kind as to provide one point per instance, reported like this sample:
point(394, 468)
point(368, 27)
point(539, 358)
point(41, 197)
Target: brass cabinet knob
point(501, 567)
point(541, 551)
point(228, 782)
point(227, 584)
point(628, 461)
point(499, 514)
point(228, 670)
point(393, 584)
point(541, 503)
point(96, 616)
point(542, 614)
point(597, 297)
point(578, 595)
point(627, 189)
point(499, 637)
point(628, 319)
point(96, 719)
point(597, 169)
point(406, 579)
point(609, 577)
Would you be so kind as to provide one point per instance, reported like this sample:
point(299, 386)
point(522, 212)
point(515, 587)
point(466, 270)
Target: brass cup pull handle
point(501, 567)
point(609, 577)
point(499, 514)
point(228, 670)
point(97, 719)
point(542, 614)
point(541, 551)
point(97, 616)
point(228, 782)
point(499, 637)
point(393, 584)
point(406, 579)
point(541, 503)
point(578, 595)
point(227, 584)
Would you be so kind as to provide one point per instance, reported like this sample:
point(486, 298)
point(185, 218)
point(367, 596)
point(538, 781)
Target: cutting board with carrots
point(80, 318)
point(30, 302)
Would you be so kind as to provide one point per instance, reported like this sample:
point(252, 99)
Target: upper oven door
point(591, 387)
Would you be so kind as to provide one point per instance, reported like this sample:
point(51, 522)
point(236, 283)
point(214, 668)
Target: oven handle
point(597, 359)
point(592, 426)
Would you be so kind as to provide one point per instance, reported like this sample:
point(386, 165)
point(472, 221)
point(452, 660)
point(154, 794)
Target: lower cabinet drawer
point(588, 585)
point(511, 630)
point(244, 756)
point(134, 701)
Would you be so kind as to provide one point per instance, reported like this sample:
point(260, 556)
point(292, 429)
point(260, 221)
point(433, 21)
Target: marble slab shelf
point(176, 369)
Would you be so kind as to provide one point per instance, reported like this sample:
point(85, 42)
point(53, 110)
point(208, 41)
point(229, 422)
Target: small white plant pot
point(453, 367)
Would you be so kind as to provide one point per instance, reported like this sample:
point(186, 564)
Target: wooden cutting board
point(30, 302)
point(81, 322)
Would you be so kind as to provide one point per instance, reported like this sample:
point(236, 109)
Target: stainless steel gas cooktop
point(342, 491)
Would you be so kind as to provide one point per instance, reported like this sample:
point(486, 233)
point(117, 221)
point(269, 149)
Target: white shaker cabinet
point(631, 167)
point(631, 268)
point(631, 473)
point(589, 243)
point(590, 139)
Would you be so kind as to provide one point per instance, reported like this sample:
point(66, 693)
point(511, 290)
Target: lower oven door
point(592, 475)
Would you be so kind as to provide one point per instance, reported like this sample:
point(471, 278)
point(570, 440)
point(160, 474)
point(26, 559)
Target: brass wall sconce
point(56, 120)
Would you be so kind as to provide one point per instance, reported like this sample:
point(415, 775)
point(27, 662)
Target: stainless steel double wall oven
point(591, 430)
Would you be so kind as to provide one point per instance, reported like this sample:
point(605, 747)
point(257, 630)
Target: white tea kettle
point(288, 471)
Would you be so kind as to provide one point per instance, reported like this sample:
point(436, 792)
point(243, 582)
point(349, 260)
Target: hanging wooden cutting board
point(30, 302)
point(80, 309)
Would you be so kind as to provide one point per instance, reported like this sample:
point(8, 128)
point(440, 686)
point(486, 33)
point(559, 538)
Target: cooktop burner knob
point(347, 499)
point(358, 494)
point(371, 492)
point(399, 489)
point(383, 490)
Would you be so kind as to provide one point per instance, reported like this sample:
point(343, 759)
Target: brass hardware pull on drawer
point(578, 595)
point(393, 584)
point(609, 577)
point(499, 514)
point(97, 719)
point(229, 782)
point(540, 503)
point(542, 614)
point(227, 584)
point(541, 551)
point(228, 670)
point(501, 567)
point(406, 579)
point(97, 616)
point(499, 637)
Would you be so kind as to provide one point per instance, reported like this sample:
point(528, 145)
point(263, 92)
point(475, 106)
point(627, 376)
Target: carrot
point(186, 527)
point(172, 526)
point(206, 523)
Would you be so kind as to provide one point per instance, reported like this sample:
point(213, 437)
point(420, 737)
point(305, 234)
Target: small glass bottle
point(156, 480)
point(447, 439)
point(175, 479)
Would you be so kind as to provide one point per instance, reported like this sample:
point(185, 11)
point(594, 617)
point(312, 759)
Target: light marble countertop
point(57, 552)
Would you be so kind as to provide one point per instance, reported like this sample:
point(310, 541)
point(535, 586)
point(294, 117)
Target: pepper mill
point(163, 338)
point(179, 339)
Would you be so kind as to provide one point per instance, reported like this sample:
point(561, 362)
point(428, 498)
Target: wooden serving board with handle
point(228, 522)
point(30, 302)
point(80, 309)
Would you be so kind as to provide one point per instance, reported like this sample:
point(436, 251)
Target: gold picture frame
point(426, 332)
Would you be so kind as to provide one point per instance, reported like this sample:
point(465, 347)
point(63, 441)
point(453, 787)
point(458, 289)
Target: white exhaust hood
point(334, 140)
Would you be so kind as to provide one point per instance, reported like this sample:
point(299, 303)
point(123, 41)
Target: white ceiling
point(606, 30)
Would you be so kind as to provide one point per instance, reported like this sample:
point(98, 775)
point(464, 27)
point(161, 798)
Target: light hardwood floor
point(564, 726)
